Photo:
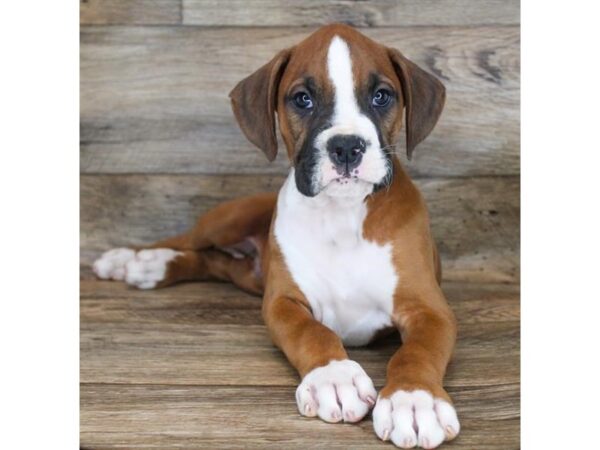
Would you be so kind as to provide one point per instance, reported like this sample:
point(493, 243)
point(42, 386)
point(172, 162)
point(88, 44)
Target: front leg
point(413, 408)
point(333, 387)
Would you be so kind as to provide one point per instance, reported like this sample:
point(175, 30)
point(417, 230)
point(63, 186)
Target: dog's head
point(339, 99)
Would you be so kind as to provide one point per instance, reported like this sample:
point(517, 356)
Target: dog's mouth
point(357, 182)
point(342, 176)
point(346, 179)
point(348, 187)
point(320, 173)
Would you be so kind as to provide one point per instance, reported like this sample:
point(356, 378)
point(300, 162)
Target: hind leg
point(226, 244)
point(149, 270)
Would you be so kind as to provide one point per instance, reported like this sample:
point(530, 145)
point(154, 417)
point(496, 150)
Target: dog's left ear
point(254, 102)
point(424, 97)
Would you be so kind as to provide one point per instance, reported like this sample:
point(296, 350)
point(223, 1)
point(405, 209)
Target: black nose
point(346, 150)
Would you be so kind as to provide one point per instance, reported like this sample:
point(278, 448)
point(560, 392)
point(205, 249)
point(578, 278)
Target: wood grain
point(196, 303)
point(199, 333)
point(142, 416)
point(154, 99)
point(369, 13)
point(475, 221)
point(159, 370)
point(125, 12)
point(213, 354)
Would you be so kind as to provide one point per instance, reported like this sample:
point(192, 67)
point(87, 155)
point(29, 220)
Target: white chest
point(348, 281)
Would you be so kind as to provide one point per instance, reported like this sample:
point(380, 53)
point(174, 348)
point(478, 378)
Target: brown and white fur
point(343, 253)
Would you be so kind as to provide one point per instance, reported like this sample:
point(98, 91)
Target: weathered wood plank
point(214, 354)
point(224, 304)
point(475, 221)
point(173, 339)
point(370, 13)
point(154, 99)
point(129, 12)
point(117, 416)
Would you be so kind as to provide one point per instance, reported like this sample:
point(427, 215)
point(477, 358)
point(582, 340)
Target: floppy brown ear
point(424, 97)
point(254, 101)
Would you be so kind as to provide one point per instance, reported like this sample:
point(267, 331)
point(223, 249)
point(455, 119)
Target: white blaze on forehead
point(347, 119)
point(339, 67)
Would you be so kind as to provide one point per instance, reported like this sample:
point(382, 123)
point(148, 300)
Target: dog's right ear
point(424, 98)
point(254, 102)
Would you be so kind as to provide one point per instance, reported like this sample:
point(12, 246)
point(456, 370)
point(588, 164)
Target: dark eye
point(303, 100)
point(382, 98)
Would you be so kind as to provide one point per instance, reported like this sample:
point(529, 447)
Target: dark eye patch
point(379, 115)
point(313, 123)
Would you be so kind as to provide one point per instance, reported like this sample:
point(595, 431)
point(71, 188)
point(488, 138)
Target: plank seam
point(468, 387)
point(307, 28)
point(268, 174)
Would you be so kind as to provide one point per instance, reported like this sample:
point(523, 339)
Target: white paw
point(415, 418)
point(341, 390)
point(149, 267)
point(111, 265)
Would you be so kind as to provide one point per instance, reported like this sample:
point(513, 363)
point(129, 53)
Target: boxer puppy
point(344, 251)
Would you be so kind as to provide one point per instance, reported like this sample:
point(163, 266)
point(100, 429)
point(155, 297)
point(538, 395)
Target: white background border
point(560, 224)
point(39, 224)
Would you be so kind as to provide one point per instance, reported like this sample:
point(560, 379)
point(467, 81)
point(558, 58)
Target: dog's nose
point(346, 150)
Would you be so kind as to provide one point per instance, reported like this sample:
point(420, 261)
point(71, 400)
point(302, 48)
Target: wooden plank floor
point(192, 367)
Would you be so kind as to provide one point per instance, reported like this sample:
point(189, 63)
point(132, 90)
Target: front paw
point(411, 418)
point(341, 390)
